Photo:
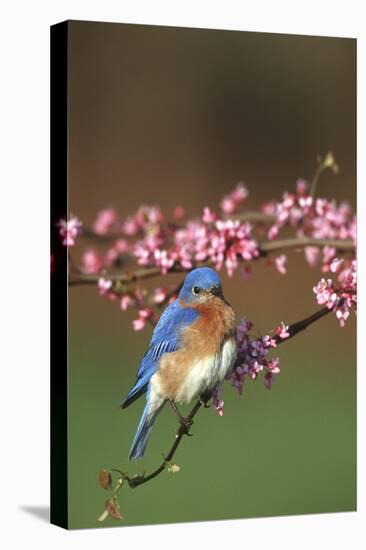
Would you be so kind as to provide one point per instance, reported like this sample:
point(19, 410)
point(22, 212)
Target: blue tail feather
point(142, 434)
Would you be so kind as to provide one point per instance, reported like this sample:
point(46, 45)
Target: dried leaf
point(112, 507)
point(105, 480)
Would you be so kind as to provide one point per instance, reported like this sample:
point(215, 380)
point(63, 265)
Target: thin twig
point(295, 328)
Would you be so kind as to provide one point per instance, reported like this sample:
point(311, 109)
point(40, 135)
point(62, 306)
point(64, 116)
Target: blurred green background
point(178, 116)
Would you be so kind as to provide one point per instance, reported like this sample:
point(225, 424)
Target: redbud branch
point(295, 328)
point(251, 216)
point(302, 242)
point(264, 249)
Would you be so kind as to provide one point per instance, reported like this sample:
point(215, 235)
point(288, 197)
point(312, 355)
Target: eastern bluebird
point(191, 351)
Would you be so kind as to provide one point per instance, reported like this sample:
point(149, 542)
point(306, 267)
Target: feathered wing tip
point(131, 397)
point(142, 434)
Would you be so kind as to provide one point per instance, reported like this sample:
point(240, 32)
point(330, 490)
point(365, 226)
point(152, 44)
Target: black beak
point(217, 291)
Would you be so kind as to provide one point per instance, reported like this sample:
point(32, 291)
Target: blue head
point(201, 285)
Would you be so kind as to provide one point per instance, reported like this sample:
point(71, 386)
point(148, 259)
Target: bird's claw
point(186, 423)
point(204, 399)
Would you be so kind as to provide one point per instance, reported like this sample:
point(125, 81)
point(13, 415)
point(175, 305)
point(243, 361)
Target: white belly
point(208, 373)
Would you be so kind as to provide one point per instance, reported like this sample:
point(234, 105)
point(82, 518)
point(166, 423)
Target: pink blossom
point(238, 378)
point(223, 243)
point(319, 218)
point(244, 326)
point(329, 253)
point(126, 302)
point(228, 205)
point(104, 221)
point(144, 315)
point(281, 263)
point(110, 257)
point(217, 403)
point(69, 230)
point(301, 187)
point(325, 293)
point(178, 212)
point(288, 201)
point(269, 208)
point(121, 246)
point(138, 324)
point(273, 365)
point(92, 262)
point(343, 298)
point(104, 286)
point(342, 313)
point(282, 330)
point(147, 215)
point(335, 265)
point(232, 241)
point(208, 215)
point(159, 295)
point(130, 226)
point(252, 357)
point(312, 255)
point(240, 193)
point(164, 260)
point(296, 216)
point(219, 406)
point(306, 203)
point(273, 232)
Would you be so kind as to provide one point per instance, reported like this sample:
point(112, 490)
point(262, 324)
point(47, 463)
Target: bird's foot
point(204, 399)
point(186, 423)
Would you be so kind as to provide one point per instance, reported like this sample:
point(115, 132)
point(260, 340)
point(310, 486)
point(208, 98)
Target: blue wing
point(165, 339)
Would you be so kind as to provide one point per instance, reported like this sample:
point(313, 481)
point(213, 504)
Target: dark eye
point(196, 290)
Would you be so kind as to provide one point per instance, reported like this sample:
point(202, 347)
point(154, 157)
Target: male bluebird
point(191, 351)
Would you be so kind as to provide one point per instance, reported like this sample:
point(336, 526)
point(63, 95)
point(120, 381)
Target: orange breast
point(199, 342)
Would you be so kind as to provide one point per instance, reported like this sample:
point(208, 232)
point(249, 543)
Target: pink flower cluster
point(342, 298)
point(211, 240)
point(69, 230)
point(311, 217)
point(127, 300)
point(159, 243)
point(95, 262)
point(149, 239)
point(142, 221)
point(252, 356)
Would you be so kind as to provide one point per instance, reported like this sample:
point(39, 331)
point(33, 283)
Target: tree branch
point(295, 328)
point(340, 244)
point(264, 249)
